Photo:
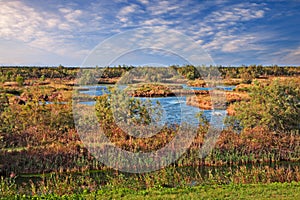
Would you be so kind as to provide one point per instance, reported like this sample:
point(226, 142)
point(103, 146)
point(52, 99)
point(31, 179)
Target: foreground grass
point(243, 191)
point(231, 191)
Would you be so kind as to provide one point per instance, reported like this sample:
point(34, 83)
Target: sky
point(230, 33)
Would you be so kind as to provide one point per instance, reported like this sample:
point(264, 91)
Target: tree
point(117, 106)
point(87, 77)
point(247, 74)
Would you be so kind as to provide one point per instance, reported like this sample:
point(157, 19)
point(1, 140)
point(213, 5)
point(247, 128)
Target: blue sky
point(53, 32)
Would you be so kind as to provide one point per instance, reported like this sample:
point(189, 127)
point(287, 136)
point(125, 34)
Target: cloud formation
point(68, 31)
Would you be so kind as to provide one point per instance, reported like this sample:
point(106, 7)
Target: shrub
point(20, 80)
point(276, 106)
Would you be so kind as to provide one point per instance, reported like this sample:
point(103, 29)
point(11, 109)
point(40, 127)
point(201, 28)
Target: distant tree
point(42, 78)
point(9, 75)
point(20, 80)
point(60, 67)
point(247, 74)
point(87, 77)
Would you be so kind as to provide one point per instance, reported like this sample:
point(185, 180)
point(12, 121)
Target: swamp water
point(175, 109)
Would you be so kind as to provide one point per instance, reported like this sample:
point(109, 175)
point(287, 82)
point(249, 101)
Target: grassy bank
point(231, 191)
point(217, 182)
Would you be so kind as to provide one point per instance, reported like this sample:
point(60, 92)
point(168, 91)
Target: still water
point(174, 109)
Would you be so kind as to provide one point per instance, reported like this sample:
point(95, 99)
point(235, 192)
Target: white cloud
point(64, 10)
point(154, 39)
point(16, 53)
point(73, 17)
point(161, 7)
point(144, 1)
point(64, 26)
point(235, 43)
point(236, 14)
point(286, 56)
point(158, 21)
point(239, 44)
point(128, 9)
point(41, 30)
point(51, 23)
point(15, 24)
point(125, 12)
point(224, 27)
point(295, 52)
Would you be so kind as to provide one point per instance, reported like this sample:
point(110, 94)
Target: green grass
point(231, 191)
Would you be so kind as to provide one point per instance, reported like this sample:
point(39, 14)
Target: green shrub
point(276, 106)
point(20, 80)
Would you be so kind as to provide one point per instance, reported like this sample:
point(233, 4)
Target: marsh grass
point(42, 155)
point(172, 177)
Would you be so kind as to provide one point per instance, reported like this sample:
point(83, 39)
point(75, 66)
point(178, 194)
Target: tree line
point(189, 72)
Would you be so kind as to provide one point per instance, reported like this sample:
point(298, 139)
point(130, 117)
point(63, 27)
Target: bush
point(276, 106)
point(118, 106)
point(20, 80)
